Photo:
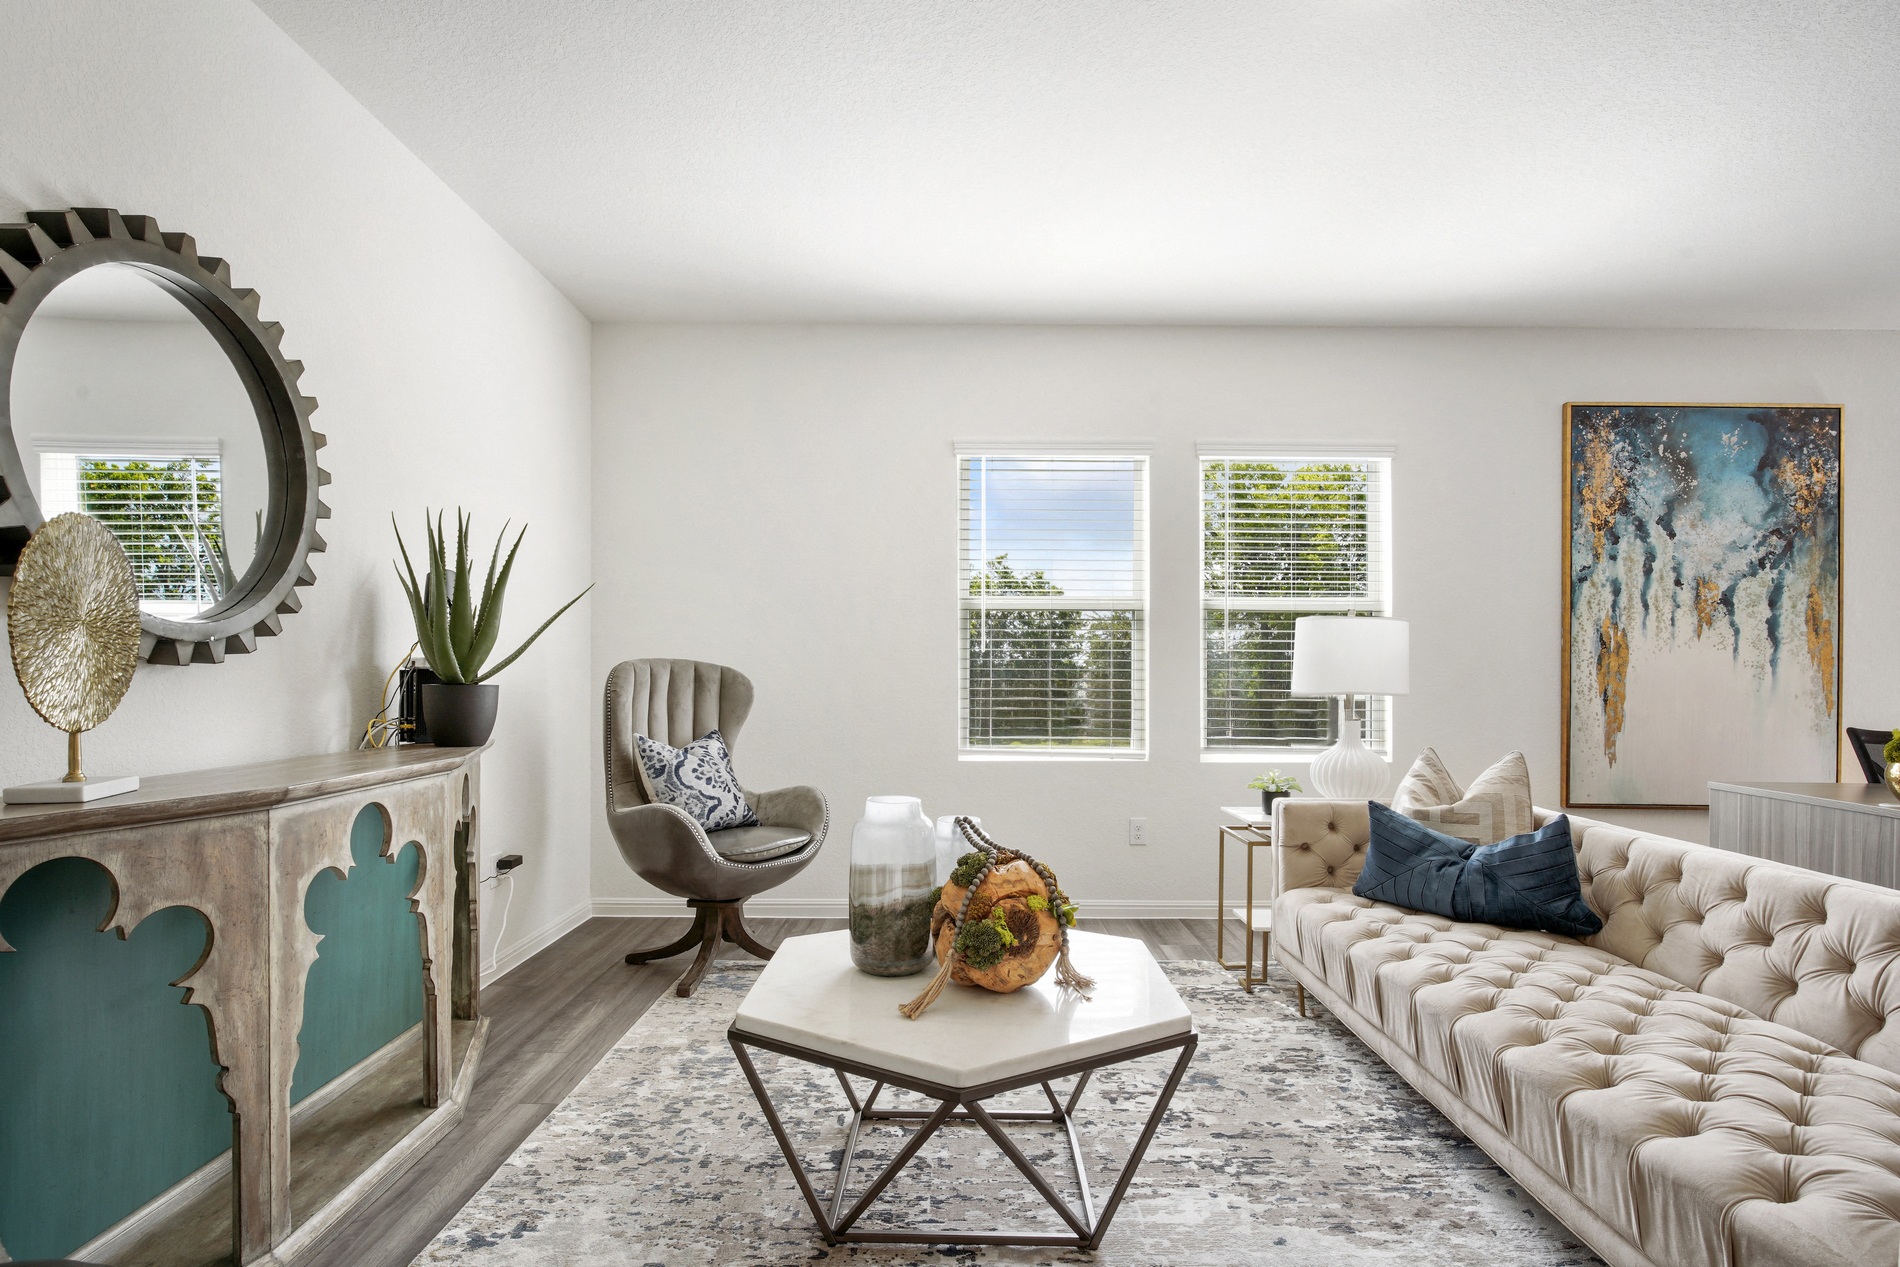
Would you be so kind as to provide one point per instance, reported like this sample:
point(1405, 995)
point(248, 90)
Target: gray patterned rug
point(1288, 1142)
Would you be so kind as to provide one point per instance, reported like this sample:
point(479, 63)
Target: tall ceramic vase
point(893, 858)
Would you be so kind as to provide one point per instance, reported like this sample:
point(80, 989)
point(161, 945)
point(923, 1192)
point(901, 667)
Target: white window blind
point(1281, 538)
point(1052, 591)
point(161, 499)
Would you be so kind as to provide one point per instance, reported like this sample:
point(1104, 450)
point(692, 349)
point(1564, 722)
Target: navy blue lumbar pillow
point(1528, 881)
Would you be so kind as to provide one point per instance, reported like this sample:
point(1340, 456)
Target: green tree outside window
point(1045, 677)
point(168, 515)
point(1280, 540)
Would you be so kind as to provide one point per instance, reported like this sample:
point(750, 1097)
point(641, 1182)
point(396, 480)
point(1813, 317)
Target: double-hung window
point(162, 499)
point(1284, 536)
point(1052, 597)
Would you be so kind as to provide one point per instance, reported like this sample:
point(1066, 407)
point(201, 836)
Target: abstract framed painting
point(1702, 600)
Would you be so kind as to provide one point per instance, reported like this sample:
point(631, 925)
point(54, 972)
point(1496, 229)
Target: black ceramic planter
point(459, 716)
point(1266, 800)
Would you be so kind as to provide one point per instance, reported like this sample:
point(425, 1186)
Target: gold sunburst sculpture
point(73, 618)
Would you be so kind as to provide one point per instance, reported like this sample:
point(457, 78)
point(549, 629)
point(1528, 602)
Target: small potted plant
point(1892, 754)
point(1272, 786)
point(456, 630)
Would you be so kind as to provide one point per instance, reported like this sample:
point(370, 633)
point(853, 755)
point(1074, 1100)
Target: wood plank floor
point(551, 1020)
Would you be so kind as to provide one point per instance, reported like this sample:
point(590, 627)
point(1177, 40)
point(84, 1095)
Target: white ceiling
point(1543, 162)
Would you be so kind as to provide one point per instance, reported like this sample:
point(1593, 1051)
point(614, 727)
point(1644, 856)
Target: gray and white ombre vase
point(893, 870)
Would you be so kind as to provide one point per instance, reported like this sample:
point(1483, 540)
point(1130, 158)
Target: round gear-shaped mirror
point(139, 387)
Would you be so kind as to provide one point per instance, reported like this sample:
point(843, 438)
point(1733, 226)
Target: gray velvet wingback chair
point(678, 701)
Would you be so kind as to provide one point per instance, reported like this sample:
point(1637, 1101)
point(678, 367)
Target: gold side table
point(1251, 831)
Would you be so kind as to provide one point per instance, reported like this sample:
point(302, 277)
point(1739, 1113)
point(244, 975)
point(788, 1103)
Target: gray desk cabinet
point(1845, 829)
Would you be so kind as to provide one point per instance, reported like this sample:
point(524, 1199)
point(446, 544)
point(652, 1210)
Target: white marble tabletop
point(811, 995)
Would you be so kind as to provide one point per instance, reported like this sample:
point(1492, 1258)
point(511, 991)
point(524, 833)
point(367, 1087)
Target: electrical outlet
point(1137, 831)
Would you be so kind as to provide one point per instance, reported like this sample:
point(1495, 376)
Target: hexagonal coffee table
point(811, 1004)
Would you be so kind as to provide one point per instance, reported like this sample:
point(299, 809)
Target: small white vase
point(951, 844)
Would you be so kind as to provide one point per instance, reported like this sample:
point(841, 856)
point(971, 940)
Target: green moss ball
point(967, 868)
point(981, 945)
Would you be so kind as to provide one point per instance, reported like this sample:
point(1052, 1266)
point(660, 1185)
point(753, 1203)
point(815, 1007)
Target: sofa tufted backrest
point(1810, 951)
point(1813, 952)
point(1322, 843)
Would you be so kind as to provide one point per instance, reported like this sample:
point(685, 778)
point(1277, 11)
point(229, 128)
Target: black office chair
point(1870, 747)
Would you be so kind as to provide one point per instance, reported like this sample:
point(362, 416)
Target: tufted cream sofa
point(1711, 1081)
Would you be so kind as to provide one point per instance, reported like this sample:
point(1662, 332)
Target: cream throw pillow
point(1497, 806)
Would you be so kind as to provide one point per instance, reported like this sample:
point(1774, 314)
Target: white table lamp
point(1351, 655)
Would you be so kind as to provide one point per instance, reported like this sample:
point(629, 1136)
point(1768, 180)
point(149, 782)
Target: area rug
point(1287, 1143)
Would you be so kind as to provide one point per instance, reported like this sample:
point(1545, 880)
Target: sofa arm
point(1318, 844)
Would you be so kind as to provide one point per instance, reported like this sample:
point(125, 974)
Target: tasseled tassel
point(1068, 978)
point(913, 1009)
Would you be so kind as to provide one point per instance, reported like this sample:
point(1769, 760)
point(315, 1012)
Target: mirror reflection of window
point(141, 420)
point(163, 500)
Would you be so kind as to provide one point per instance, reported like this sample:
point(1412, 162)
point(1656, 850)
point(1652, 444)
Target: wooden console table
point(1846, 829)
point(241, 846)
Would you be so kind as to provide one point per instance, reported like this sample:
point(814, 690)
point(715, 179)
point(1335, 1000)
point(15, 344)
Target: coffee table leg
point(1141, 1144)
point(1086, 1232)
point(904, 1154)
point(1015, 1154)
point(784, 1140)
point(851, 1142)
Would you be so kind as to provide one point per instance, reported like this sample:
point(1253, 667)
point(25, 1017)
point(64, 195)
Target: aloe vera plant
point(455, 628)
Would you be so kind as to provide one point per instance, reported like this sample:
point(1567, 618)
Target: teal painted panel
point(366, 985)
point(108, 1093)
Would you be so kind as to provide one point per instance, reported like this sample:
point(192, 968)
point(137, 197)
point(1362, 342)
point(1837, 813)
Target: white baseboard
point(353, 1075)
point(508, 958)
point(122, 1235)
point(1199, 908)
point(834, 908)
point(760, 907)
point(127, 1232)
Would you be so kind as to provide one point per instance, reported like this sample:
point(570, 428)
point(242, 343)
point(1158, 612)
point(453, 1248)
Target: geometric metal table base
point(963, 1105)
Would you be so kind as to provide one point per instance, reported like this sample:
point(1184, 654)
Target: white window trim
point(1138, 739)
point(1054, 448)
point(1218, 451)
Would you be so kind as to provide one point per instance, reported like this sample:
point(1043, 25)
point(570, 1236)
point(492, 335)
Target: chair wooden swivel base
point(678, 701)
point(713, 923)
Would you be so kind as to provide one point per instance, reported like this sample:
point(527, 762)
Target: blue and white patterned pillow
point(697, 778)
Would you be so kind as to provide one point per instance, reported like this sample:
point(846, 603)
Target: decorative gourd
point(1010, 937)
point(999, 923)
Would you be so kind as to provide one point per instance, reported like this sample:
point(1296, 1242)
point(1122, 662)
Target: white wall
point(783, 499)
point(449, 372)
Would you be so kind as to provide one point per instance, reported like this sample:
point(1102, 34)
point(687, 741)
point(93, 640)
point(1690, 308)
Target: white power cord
point(507, 900)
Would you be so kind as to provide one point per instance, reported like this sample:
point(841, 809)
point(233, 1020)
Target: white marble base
point(811, 995)
point(59, 792)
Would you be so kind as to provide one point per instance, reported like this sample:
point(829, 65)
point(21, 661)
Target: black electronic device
point(411, 678)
